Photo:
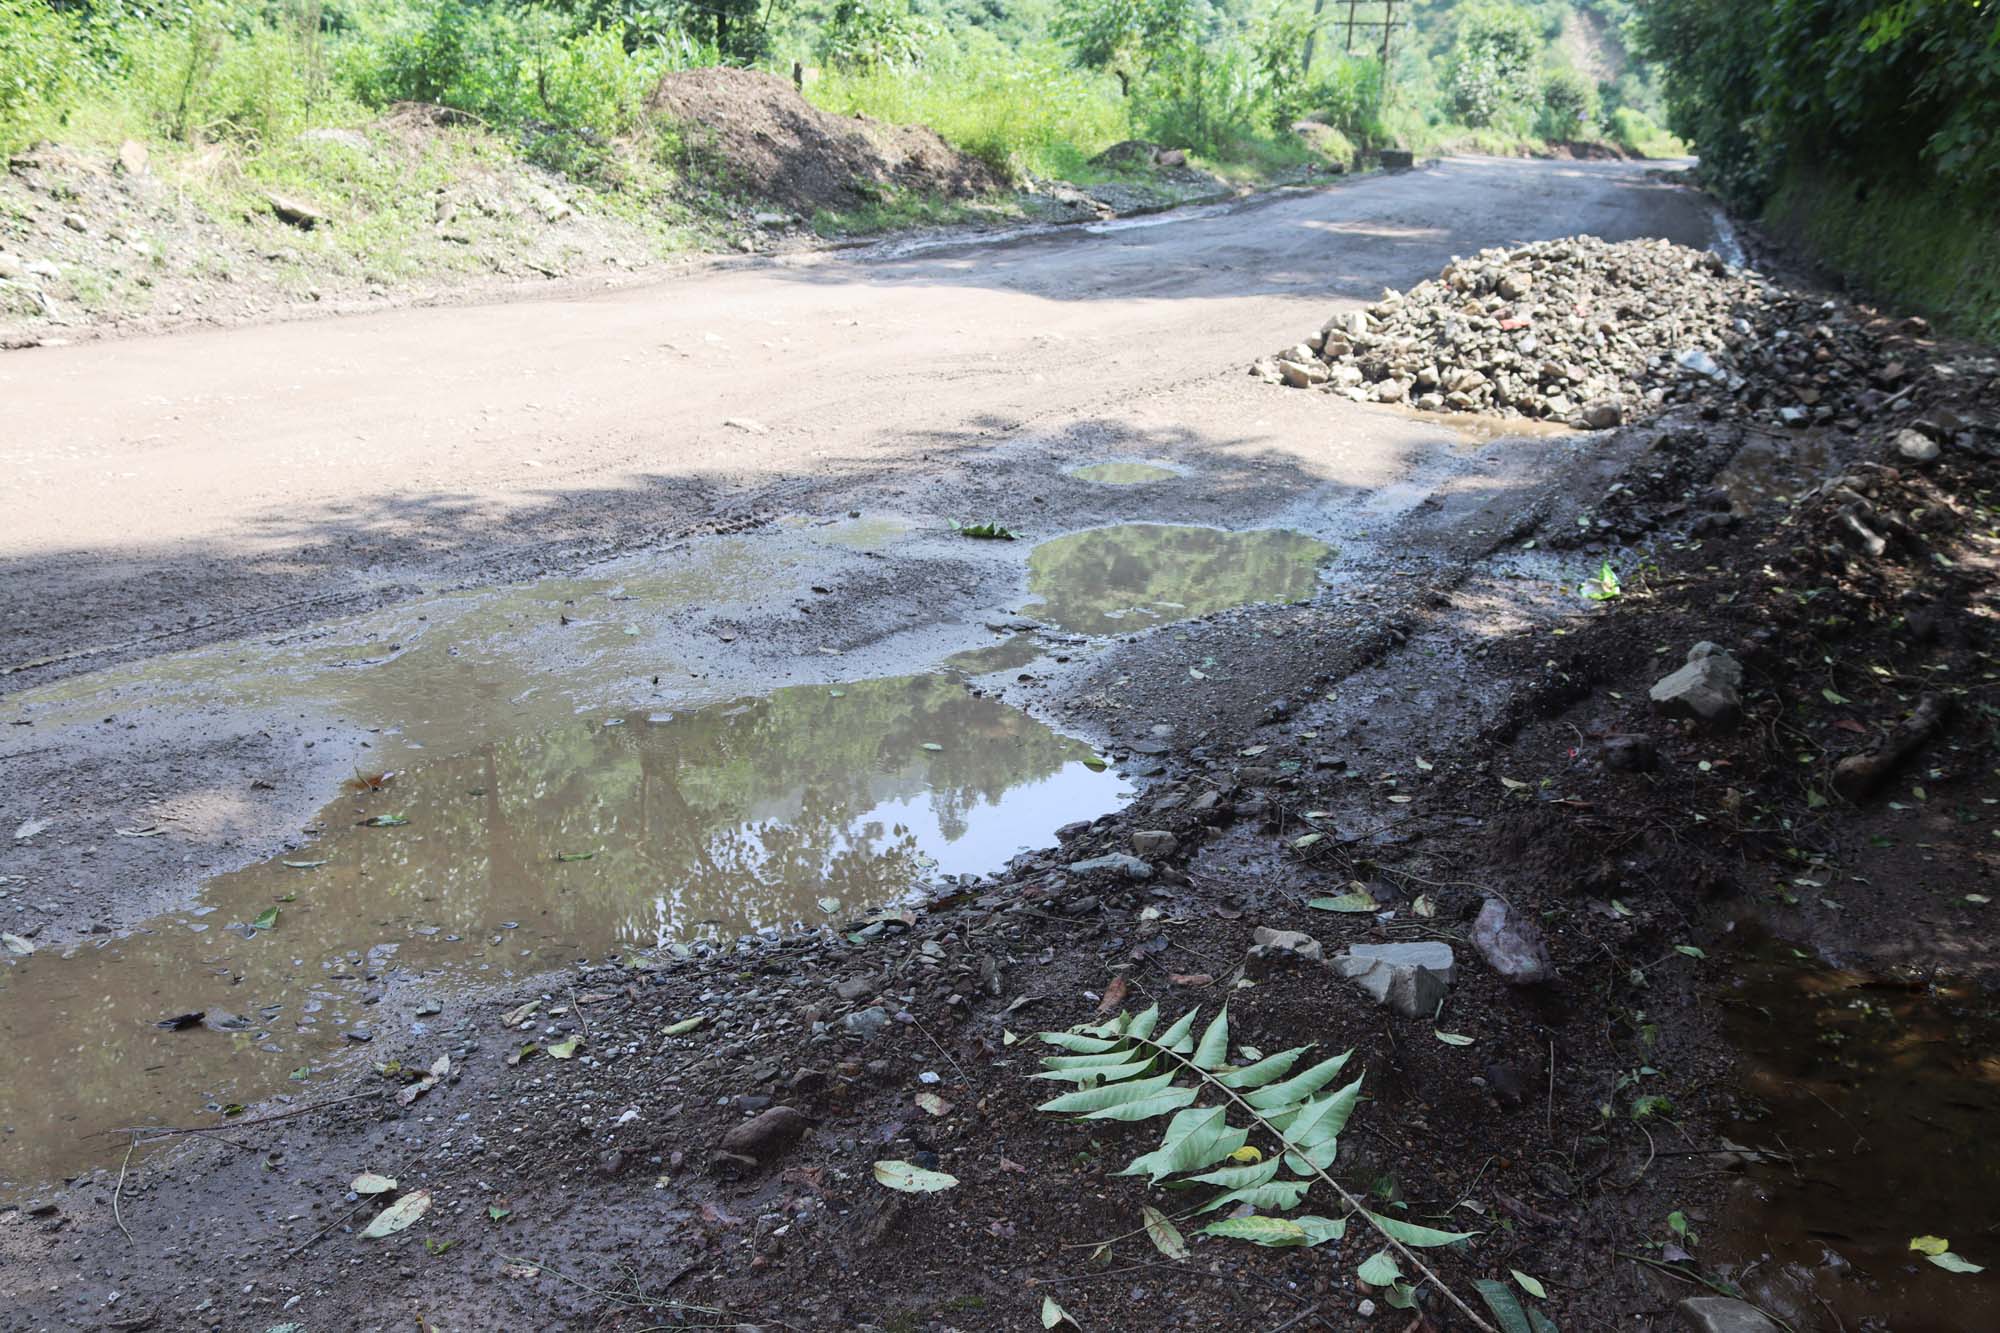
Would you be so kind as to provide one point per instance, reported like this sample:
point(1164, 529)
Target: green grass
point(1025, 111)
point(1913, 244)
point(898, 210)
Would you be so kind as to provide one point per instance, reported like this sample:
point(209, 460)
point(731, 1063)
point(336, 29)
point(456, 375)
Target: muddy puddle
point(1123, 474)
point(600, 835)
point(1010, 654)
point(1876, 1096)
point(1130, 577)
point(1769, 469)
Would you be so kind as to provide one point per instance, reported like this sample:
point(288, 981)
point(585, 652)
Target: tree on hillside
point(1492, 66)
point(1123, 36)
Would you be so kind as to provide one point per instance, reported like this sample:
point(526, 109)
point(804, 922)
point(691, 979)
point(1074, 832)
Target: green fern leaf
point(1411, 1234)
point(1266, 1070)
point(1113, 1094)
point(1159, 1103)
point(1278, 1196)
point(1076, 1041)
point(1194, 1139)
point(1239, 1177)
point(1320, 1230)
point(1175, 1038)
point(1097, 1073)
point(1300, 1086)
point(1260, 1230)
point(1213, 1053)
point(1142, 1026)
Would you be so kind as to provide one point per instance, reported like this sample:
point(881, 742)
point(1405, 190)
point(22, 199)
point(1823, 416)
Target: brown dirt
point(767, 143)
point(556, 1209)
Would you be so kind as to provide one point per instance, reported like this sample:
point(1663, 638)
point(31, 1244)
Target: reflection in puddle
point(1112, 580)
point(1764, 469)
point(1884, 1092)
point(1010, 654)
point(1123, 474)
point(707, 823)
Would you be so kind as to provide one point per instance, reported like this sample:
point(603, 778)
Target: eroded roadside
point(1437, 718)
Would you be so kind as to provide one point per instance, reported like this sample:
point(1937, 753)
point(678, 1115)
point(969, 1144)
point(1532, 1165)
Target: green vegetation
point(236, 99)
point(1869, 128)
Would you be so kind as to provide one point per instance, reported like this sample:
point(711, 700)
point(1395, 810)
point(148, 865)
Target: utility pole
point(1389, 26)
point(1350, 25)
point(1312, 35)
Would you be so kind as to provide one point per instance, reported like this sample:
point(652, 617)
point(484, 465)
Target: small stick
point(119, 1190)
point(167, 1131)
point(1297, 1319)
point(576, 1006)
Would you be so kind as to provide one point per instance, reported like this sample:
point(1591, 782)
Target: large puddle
point(1879, 1097)
point(1136, 575)
point(519, 856)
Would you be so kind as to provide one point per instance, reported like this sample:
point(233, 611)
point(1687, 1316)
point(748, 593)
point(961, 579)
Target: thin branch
point(118, 1192)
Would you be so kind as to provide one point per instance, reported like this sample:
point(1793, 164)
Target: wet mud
point(602, 836)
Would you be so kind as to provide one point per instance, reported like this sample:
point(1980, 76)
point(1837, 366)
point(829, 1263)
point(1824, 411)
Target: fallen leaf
point(1191, 978)
point(1114, 995)
point(829, 904)
point(1530, 1285)
point(685, 1025)
point(149, 831)
point(520, 1270)
point(933, 1103)
point(370, 1183)
point(1423, 906)
point(1930, 1244)
point(1346, 902)
point(1690, 950)
point(912, 1179)
point(564, 1049)
point(1053, 1314)
point(29, 829)
point(15, 944)
point(1161, 1231)
point(303, 865)
point(385, 821)
point(516, 1017)
point(398, 1215)
point(1452, 1038)
point(266, 919)
point(495, 1213)
point(1246, 1155)
point(1951, 1263)
point(932, 745)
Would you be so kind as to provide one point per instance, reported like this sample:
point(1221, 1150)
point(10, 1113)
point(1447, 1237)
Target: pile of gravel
point(1591, 333)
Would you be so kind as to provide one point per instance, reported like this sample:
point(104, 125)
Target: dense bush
point(1569, 104)
point(1906, 89)
point(1492, 68)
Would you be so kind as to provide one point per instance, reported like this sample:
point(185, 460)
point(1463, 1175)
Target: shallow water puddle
point(1123, 474)
point(1010, 654)
point(1117, 579)
point(1884, 1091)
point(519, 856)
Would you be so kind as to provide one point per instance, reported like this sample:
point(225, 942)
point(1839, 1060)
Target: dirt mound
point(762, 140)
point(1589, 332)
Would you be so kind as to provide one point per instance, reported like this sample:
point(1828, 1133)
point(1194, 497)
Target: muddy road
point(363, 672)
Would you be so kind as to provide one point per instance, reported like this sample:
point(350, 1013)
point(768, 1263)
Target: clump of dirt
point(763, 141)
point(1593, 333)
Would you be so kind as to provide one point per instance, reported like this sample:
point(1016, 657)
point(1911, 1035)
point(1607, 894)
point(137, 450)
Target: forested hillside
point(1870, 131)
point(1030, 85)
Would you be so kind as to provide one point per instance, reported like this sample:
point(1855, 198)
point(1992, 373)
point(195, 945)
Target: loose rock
point(1154, 843)
point(1410, 978)
point(765, 1135)
point(1916, 446)
point(1720, 1314)
point(1131, 867)
point(1511, 945)
point(1704, 689)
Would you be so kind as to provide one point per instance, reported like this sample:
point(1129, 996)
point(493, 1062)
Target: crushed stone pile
point(1593, 333)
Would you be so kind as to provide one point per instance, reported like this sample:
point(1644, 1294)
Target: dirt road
point(188, 485)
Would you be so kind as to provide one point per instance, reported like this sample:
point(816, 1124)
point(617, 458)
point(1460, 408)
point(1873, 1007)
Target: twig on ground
point(168, 1131)
point(119, 1190)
